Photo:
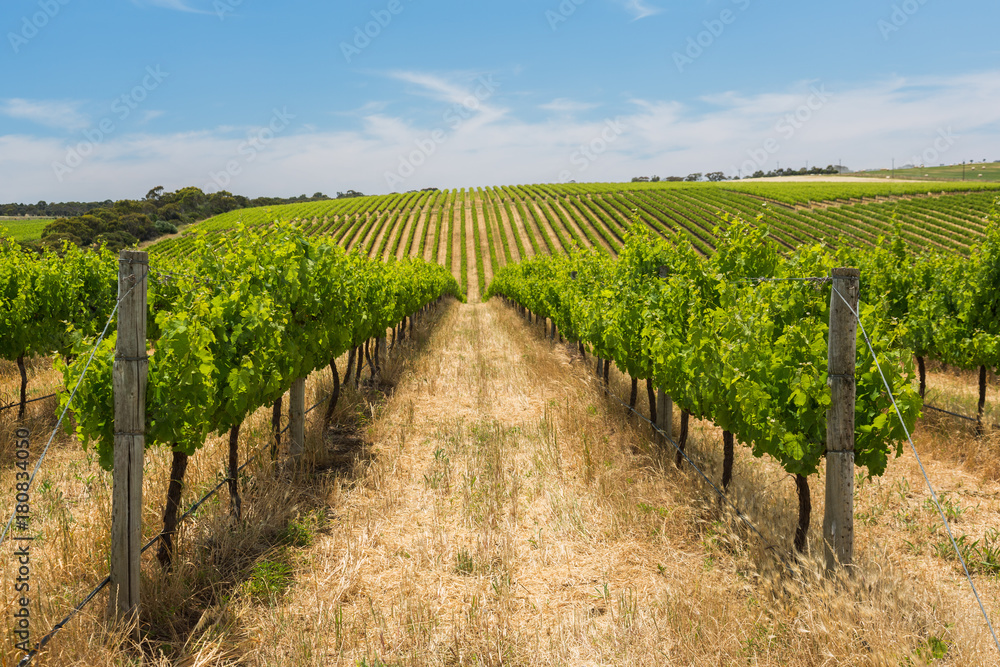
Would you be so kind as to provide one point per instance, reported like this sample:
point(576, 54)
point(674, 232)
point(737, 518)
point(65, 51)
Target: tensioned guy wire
point(683, 453)
point(194, 507)
point(166, 276)
point(45, 640)
point(950, 413)
point(820, 280)
point(101, 586)
point(923, 471)
point(928, 406)
point(38, 464)
point(59, 626)
point(33, 400)
point(107, 580)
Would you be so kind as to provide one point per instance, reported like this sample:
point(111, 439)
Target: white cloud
point(471, 93)
point(151, 114)
point(639, 9)
point(866, 125)
point(177, 5)
point(58, 114)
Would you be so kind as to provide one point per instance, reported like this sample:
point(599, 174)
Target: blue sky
point(107, 100)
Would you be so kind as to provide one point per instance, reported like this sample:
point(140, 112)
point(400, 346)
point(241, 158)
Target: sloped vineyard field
point(477, 231)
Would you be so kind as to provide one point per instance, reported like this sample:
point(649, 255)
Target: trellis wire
point(923, 471)
point(45, 450)
point(34, 400)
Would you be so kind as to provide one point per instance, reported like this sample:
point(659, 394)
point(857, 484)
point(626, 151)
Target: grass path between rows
point(507, 514)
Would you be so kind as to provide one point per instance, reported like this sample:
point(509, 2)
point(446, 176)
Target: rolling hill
point(474, 231)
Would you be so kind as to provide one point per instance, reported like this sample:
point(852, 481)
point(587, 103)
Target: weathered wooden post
point(980, 427)
point(129, 387)
point(380, 348)
point(276, 428)
point(297, 419)
point(838, 522)
point(665, 413)
point(664, 403)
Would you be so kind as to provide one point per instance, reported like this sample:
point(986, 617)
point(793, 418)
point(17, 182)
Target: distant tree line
point(720, 176)
point(120, 224)
point(44, 209)
point(829, 169)
point(690, 178)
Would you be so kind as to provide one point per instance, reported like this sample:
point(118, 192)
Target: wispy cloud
point(152, 114)
point(447, 88)
point(865, 124)
point(177, 5)
point(58, 114)
point(436, 86)
point(457, 89)
point(639, 9)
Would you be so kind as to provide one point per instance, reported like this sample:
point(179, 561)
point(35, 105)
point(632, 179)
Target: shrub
point(164, 227)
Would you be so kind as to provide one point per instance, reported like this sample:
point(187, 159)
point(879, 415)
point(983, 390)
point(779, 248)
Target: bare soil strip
point(580, 221)
point(517, 224)
point(574, 223)
point(582, 211)
point(495, 229)
point(354, 231)
point(445, 239)
point(455, 240)
point(470, 247)
point(403, 250)
point(390, 234)
point(550, 229)
point(377, 226)
point(515, 254)
point(531, 222)
point(391, 222)
point(484, 241)
point(433, 214)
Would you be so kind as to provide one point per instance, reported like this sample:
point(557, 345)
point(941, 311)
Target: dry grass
point(187, 614)
point(498, 509)
point(42, 379)
point(511, 515)
point(472, 290)
point(958, 391)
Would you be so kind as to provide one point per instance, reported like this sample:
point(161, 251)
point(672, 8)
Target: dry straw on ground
point(498, 509)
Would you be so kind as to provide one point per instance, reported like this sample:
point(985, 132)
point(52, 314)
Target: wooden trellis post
point(665, 413)
point(129, 386)
point(838, 522)
point(297, 419)
point(664, 403)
